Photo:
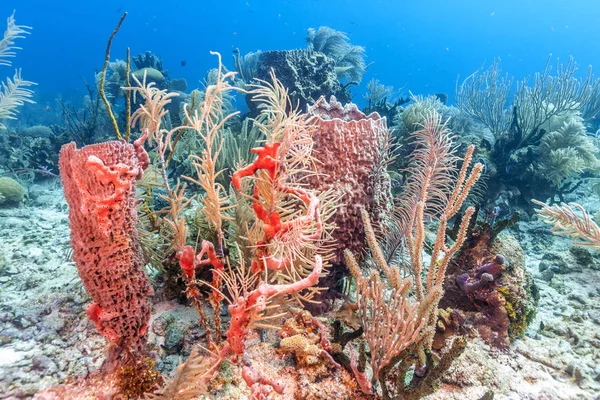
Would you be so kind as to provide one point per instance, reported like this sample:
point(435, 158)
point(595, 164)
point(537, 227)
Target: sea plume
point(7, 44)
point(15, 92)
point(566, 222)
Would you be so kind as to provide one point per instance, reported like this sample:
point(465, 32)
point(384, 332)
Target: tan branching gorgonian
point(399, 330)
point(208, 121)
point(191, 377)
point(566, 222)
point(390, 320)
point(434, 191)
point(150, 114)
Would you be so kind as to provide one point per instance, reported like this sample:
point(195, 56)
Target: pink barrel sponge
point(350, 148)
point(99, 185)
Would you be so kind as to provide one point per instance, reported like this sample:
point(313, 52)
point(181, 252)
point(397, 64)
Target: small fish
point(493, 13)
point(47, 108)
point(183, 63)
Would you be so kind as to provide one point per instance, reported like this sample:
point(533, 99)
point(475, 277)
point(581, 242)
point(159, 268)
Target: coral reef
point(305, 249)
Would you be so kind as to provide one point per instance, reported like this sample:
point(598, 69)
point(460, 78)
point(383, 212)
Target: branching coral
point(247, 308)
point(548, 96)
point(290, 234)
point(284, 236)
point(377, 92)
point(390, 323)
point(484, 96)
point(246, 65)
point(394, 329)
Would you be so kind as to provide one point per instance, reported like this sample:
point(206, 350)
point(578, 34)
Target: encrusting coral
point(489, 290)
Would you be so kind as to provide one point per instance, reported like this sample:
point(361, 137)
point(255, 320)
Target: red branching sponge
point(247, 308)
point(268, 160)
point(99, 185)
point(351, 149)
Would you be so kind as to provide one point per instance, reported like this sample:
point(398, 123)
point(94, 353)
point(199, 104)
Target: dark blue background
point(423, 44)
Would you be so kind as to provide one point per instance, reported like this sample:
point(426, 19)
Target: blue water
point(423, 45)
